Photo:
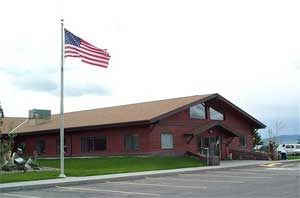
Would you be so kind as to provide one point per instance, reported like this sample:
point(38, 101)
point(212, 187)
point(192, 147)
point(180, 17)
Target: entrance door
point(212, 144)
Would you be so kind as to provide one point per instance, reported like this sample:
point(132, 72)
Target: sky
point(247, 51)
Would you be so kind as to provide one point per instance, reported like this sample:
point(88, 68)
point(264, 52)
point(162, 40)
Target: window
point(243, 140)
point(297, 147)
point(287, 146)
point(40, 146)
point(197, 111)
point(167, 141)
point(215, 115)
point(131, 142)
point(58, 145)
point(90, 144)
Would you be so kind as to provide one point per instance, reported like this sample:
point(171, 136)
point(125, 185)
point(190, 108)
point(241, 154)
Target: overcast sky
point(247, 51)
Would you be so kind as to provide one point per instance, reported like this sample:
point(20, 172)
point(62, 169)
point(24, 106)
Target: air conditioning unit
point(39, 114)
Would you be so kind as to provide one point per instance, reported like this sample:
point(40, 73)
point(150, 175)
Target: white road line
point(269, 171)
point(196, 180)
point(241, 172)
point(159, 185)
point(254, 171)
point(14, 195)
point(233, 176)
point(265, 170)
point(109, 191)
point(285, 169)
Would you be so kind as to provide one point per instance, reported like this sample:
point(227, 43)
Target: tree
point(298, 140)
point(257, 138)
point(273, 134)
point(1, 143)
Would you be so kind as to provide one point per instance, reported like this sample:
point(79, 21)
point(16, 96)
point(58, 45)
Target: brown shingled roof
point(139, 113)
point(145, 112)
point(9, 123)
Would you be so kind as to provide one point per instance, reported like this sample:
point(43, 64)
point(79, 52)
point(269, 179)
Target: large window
point(131, 142)
point(90, 144)
point(197, 111)
point(40, 146)
point(243, 141)
point(167, 141)
point(215, 115)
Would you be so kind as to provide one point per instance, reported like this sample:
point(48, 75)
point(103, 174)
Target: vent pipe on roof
point(39, 116)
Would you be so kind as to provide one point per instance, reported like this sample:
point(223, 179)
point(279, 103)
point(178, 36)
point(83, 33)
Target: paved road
point(271, 180)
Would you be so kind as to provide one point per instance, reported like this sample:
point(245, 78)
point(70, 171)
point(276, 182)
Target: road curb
point(33, 185)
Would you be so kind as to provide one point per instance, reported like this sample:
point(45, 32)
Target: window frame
point(218, 111)
point(161, 141)
point(44, 146)
point(84, 146)
point(135, 146)
point(57, 142)
point(198, 118)
point(245, 141)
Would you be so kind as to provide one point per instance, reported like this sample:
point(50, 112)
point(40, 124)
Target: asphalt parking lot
point(270, 180)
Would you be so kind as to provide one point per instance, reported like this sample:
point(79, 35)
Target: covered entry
point(211, 144)
point(213, 139)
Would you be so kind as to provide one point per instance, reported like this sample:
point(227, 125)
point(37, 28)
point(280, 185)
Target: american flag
point(88, 53)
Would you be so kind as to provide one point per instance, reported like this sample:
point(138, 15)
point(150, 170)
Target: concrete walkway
point(6, 187)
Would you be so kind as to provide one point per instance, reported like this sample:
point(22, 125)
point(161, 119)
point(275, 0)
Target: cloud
point(33, 79)
point(46, 79)
point(37, 82)
point(88, 89)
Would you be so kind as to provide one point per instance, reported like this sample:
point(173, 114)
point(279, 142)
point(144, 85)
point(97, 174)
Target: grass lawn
point(103, 165)
point(290, 157)
point(16, 177)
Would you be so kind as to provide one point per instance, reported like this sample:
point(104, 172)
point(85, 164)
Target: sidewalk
point(28, 185)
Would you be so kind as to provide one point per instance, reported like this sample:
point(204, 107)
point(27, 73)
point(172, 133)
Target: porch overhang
point(195, 132)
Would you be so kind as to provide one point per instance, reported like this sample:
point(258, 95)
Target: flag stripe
point(83, 42)
point(78, 48)
point(93, 47)
point(69, 48)
point(88, 57)
point(75, 56)
point(93, 50)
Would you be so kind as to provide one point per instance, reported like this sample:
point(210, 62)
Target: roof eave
point(90, 127)
point(160, 117)
point(259, 124)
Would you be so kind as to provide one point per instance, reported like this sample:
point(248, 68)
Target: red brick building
point(165, 127)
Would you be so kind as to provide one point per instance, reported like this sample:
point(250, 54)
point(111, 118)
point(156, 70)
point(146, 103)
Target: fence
point(247, 155)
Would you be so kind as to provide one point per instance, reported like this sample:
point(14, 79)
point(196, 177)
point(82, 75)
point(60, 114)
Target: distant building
point(164, 127)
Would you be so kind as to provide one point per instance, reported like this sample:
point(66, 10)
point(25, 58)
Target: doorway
point(210, 144)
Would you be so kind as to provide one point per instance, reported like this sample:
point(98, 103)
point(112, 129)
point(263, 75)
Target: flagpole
point(62, 163)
